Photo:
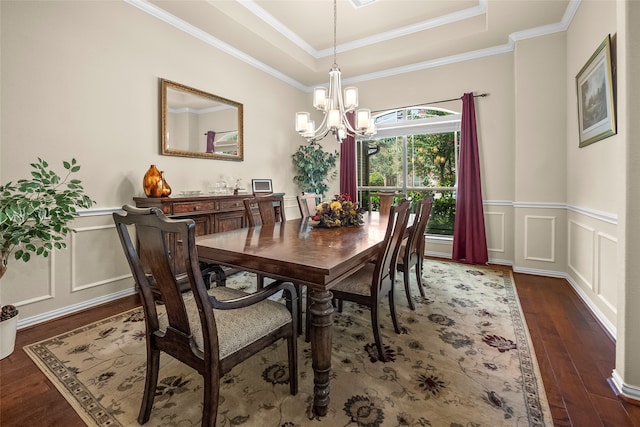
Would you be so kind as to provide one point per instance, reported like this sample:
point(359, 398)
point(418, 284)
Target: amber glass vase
point(166, 188)
point(152, 183)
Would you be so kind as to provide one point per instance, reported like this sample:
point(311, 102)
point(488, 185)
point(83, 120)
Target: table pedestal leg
point(321, 312)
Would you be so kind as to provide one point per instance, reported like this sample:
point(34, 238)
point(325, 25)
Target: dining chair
point(375, 279)
point(411, 253)
point(209, 330)
point(264, 210)
point(307, 202)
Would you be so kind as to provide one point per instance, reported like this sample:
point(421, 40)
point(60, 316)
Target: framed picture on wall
point(596, 96)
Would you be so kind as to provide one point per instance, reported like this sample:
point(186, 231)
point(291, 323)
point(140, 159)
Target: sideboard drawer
point(189, 207)
point(230, 204)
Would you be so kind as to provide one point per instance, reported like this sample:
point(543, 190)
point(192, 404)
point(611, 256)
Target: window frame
point(404, 128)
point(450, 123)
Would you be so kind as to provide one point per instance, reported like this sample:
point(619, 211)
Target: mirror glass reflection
point(199, 124)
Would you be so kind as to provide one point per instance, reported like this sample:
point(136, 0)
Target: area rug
point(464, 358)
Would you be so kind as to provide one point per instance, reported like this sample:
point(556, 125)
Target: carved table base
point(321, 311)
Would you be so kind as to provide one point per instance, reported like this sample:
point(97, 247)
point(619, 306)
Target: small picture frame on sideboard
point(261, 186)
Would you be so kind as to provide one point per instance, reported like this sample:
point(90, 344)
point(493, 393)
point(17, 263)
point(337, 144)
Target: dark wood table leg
point(321, 311)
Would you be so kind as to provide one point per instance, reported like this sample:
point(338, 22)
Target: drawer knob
point(195, 208)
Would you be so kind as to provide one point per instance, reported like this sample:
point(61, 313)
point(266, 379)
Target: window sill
point(434, 238)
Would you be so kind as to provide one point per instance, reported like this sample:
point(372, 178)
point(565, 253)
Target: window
point(416, 154)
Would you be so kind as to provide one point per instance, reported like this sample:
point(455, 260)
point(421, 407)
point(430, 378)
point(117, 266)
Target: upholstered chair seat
point(358, 283)
point(236, 328)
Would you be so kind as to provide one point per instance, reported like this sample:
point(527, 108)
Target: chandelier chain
point(335, 30)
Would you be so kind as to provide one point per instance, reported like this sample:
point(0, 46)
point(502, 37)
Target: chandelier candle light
point(335, 108)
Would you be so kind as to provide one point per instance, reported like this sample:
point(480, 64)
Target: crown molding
point(262, 14)
point(569, 13)
point(253, 7)
point(439, 62)
point(408, 30)
point(182, 25)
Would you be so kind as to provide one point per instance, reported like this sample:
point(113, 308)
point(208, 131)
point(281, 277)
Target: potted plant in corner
point(313, 165)
point(34, 218)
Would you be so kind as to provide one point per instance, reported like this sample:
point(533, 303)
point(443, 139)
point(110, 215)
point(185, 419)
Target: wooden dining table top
point(297, 250)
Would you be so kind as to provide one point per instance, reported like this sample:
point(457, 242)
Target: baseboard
point(54, 314)
point(609, 328)
point(624, 391)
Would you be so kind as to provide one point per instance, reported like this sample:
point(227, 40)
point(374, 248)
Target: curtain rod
point(482, 95)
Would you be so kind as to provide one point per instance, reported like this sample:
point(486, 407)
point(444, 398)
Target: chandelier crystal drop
point(335, 106)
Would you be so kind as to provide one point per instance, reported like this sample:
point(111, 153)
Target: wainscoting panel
point(606, 270)
point(540, 238)
point(26, 284)
point(92, 269)
point(581, 251)
point(291, 208)
point(100, 248)
point(592, 264)
point(495, 225)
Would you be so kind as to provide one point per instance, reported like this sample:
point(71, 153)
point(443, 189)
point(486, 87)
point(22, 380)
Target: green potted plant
point(314, 167)
point(34, 218)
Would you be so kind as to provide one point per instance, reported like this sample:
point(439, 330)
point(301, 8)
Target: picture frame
point(261, 186)
point(595, 84)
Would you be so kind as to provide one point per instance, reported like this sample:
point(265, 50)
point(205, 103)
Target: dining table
point(299, 251)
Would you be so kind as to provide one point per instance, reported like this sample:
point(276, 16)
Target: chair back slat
point(264, 210)
point(415, 240)
point(385, 263)
point(307, 202)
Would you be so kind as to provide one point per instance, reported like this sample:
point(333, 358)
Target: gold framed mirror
point(199, 124)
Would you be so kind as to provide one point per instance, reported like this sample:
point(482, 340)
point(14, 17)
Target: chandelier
point(335, 106)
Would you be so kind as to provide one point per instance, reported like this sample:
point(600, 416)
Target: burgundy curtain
point(210, 137)
point(348, 184)
point(469, 238)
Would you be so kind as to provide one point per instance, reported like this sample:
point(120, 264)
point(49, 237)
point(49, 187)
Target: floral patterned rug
point(464, 359)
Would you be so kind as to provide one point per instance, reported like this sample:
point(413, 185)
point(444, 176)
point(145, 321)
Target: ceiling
point(293, 39)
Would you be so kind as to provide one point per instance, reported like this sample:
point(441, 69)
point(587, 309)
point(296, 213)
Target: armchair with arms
point(209, 330)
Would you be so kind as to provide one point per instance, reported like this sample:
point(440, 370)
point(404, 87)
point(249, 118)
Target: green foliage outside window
point(376, 179)
point(431, 162)
point(443, 214)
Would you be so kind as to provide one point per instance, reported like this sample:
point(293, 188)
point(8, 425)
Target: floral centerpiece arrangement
point(340, 212)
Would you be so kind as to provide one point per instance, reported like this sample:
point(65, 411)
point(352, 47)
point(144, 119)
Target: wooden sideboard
point(212, 214)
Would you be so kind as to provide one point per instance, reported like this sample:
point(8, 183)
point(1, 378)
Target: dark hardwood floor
point(575, 355)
